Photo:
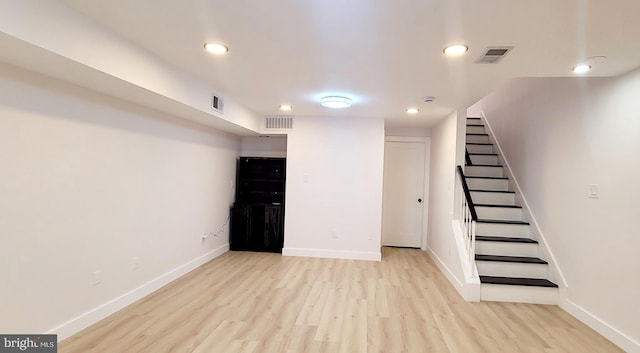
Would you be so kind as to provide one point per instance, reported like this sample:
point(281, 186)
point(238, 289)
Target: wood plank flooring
point(245, 302)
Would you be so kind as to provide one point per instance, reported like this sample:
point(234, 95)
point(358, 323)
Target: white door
point(403, 195)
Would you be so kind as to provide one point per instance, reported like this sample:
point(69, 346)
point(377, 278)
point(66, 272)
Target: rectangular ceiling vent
point(278, 123)
point(217, 103)
point(493, 55)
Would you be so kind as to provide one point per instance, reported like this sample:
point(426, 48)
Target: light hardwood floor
point(259, 302)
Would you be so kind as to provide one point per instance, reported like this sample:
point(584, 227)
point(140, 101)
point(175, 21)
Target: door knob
point(419, 200)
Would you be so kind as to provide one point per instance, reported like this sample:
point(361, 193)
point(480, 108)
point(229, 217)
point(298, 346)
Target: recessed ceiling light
point(216, 48)
point(286, 107)
point(412, 110)
point(335, 102)
point(455, 50)
point(580, 69)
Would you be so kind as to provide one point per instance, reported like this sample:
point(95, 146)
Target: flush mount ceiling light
point(286, 107)
point(413, 110)
point(580, 69)
point(335, 102)
point(216, 48)
point(455, 50)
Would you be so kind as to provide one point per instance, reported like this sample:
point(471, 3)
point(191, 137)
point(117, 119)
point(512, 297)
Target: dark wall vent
point(217, 103)
point(493, 55)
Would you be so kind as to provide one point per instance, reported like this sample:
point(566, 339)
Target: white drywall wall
point(334, 187)
point(561, 135)
point(91, 183)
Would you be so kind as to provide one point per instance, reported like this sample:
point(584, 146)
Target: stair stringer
point(555, 273)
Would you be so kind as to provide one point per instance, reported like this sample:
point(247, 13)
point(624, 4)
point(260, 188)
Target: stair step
point(519, 293)
point(484, 170)
point(492, 183)
point(479, 147)
point(477, 138)
point(491, 205)
point(515, 281)
point(504, 213)
point(486, 197)
point(503, 221)
point(516, 259)
point(505, 239)
point(494, 191)
point(484, 158)
point(475, 129)
point(506, 246)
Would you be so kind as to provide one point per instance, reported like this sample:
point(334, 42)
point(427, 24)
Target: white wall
point(407, 131)
point(560, 135)
point(60, 41)
point(441, 243)
point(264, 146)
point(334, 187)
point(91, 183)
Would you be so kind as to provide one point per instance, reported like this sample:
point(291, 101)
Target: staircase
point(506, 256)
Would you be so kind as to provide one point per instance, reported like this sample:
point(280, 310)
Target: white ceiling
point(386, 55)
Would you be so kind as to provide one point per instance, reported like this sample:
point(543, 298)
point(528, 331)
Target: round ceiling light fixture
point(455, 50)
point(336, 102)
point(216, 48)
point(580, 69)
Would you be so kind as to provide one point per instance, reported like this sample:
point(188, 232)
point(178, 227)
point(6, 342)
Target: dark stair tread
point(477, 134)
point(479, 143)
point(516, 281)
point(474, 125)
point(486, 165)
point(497, 191)
point(497, 206)
point(482, 154)
point(505, 239)
point(486, 177)
point(520, 259)
point(501, 221)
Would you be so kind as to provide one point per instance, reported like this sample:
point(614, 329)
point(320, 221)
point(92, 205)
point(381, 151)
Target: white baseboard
point(447, 272)
point(332, 254)
point(92, 316)
point(620, 339)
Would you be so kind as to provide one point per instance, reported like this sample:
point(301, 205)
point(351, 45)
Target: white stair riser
point(488, 184)
point(482, 159)
point(502, 213)
point(475, 129)
point(478, 138)
point(506, 248)
point(519, 294)
point(483, 171)
point(501, 229)
point(509, 269)
point(493, 198)
point(480, 148)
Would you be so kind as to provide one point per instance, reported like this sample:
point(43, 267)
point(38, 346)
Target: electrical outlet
point(96, 278)
point(594, 192)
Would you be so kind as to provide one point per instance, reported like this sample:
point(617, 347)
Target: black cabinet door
point(257, 227)
point(240, 227)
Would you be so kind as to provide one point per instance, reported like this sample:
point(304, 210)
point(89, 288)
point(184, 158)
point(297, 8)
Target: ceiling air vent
point(278, 123)
point(493, 55)
point(217, 103)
